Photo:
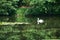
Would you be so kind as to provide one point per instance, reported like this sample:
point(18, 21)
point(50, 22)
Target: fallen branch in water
point(12, 23)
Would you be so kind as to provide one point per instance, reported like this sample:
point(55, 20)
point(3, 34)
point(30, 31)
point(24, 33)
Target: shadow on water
point(7, 18)
point(42, 15)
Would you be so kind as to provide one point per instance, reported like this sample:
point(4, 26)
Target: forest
point(29, 11)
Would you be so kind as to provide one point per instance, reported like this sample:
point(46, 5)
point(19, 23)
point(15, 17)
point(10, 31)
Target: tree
point(8, 8)
point(45, 8)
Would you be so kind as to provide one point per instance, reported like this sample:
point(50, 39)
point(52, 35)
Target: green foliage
point(19, 3)
point(8, 8)
point(44, 8)
point(32, 31)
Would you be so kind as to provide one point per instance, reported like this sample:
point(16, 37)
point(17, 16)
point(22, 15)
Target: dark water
point(7, 19)
point(49, 22)
point(50, 29)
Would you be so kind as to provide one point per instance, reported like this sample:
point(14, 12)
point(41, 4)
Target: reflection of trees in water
point(12, 18)
point(7, 18)
point(8, 31)
point(11, 33)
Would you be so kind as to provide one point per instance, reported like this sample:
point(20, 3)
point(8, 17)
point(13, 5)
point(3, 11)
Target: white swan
point(40, 21)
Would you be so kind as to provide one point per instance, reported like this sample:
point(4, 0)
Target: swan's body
point(40, 21)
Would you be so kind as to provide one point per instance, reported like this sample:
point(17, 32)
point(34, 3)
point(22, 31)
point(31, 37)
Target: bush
point(47, 8)
point(8, 8)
